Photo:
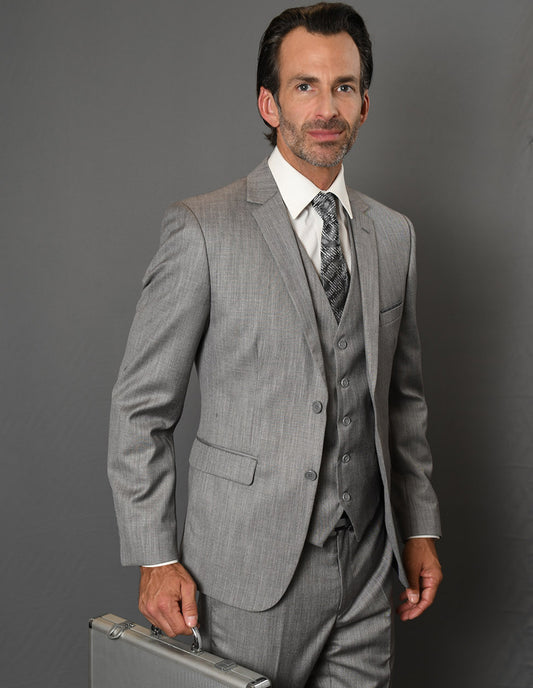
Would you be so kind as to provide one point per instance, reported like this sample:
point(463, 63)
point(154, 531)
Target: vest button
point(346, 420)
point(342, 343)
point(317, 406)
point(311, 475)
point(346, 458)
point(346, 497)
point(345, 382)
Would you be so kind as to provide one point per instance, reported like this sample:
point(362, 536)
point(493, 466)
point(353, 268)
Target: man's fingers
point(408, 611)
point(169, 627)
point(163, 613)
point(412, 609)
point(166, 615)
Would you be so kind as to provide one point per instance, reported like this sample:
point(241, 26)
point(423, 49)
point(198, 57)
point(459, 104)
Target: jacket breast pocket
point(223, 463)
point(390, 314)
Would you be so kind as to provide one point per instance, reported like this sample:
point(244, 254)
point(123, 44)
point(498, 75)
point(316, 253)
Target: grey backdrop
point(113, 109)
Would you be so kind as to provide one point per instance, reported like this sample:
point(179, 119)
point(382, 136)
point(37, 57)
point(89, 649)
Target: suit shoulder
point(217, 203)
point(192, 214)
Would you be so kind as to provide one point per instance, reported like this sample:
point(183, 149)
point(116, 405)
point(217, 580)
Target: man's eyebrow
point(349, 78)
point(307, 78)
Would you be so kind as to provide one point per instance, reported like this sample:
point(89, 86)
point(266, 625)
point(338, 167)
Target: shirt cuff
point(154, 566)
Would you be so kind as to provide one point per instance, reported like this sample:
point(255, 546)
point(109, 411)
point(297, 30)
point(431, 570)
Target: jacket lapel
point(364, 237)
point(273, 220)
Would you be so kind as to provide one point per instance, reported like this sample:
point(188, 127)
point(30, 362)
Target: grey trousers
point(331, 629)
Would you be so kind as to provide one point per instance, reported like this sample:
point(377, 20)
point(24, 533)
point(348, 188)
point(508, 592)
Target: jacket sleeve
point(148, 397)
point(414, 500)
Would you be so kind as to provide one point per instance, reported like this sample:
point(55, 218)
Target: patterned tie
point(333, 271)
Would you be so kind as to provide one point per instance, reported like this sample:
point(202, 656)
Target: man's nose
point(326, 106)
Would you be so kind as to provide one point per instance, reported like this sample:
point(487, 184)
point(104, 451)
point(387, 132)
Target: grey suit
point(227, 290)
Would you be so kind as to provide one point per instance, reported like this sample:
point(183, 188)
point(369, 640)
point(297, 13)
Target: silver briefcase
point(126, 655)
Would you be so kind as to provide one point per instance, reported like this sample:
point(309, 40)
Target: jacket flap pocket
point(391, 313)
point(223, 463)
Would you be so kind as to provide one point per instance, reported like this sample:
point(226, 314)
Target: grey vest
point(349, 479)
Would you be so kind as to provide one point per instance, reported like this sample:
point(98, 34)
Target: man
point(295, 298)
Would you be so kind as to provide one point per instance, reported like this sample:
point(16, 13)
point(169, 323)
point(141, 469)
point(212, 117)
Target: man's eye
point(345, 88)
point(303, 87)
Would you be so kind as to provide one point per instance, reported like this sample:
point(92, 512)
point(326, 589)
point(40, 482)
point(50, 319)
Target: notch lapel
point(273, 220)
point(364, 237)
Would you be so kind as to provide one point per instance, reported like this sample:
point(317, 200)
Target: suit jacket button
point(311, 475)
point(346, 458)
point(345, 382)
point(317, 406)
point(342, 343)
point(346, 420)
point(346, 497)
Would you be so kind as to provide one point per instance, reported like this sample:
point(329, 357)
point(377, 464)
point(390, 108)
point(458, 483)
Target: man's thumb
point(190, 614)
point(413, 593)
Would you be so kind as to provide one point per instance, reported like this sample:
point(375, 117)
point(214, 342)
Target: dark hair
point(323, 18)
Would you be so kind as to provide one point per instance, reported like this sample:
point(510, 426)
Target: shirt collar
point(297, 191)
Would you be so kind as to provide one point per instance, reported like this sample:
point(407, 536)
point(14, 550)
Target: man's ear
point(365, 107)
point(267, 107)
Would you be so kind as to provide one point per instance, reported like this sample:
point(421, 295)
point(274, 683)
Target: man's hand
point(167, 598)
point(424, 575)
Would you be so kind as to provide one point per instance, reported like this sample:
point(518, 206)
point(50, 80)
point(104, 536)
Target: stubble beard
point(318, 153)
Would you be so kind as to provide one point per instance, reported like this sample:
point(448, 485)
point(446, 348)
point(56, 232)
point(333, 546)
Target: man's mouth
point(325, 134)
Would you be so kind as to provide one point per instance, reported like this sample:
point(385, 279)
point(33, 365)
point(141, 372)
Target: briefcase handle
point(197, 644)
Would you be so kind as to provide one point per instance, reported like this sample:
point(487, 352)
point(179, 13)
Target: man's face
point(319, 107)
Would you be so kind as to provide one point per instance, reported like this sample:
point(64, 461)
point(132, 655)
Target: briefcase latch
point(118, 629)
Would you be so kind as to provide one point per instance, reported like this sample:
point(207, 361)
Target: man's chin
point(328, 158)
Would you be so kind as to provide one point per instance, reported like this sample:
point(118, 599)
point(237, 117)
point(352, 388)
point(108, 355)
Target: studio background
point(112, 110)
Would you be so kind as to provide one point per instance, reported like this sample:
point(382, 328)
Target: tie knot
point(324, 204)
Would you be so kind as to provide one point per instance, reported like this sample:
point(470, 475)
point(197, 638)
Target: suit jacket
point(227, 291)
